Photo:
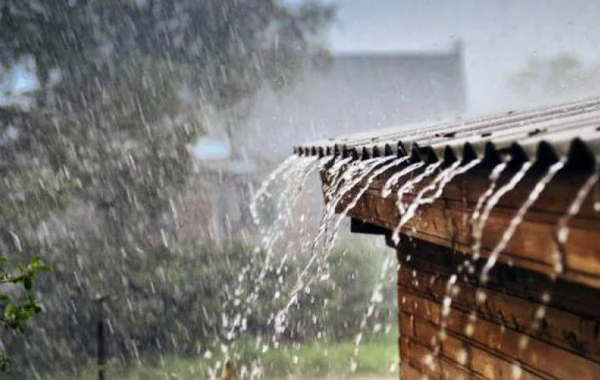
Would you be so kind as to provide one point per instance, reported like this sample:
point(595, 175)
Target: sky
point(499, 36)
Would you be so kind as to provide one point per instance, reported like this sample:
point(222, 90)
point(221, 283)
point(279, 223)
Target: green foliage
point(16, 311)
point(175, 301)
point(89, 171)
point(315, 359)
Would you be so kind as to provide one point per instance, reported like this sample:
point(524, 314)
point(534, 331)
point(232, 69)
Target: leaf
point(9, 312)
point(45, 267)
point(5, 363)
point(27, 283)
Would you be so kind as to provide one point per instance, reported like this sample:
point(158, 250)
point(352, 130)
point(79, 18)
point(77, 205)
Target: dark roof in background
point(542, 135)
point(356, 92)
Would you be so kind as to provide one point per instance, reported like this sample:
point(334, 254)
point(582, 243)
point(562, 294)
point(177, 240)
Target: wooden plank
point(420, 356)
point(554, 361)
point(470, 358)
point(469, 187)
point(531, 246)
point(562, 328)
point(408, 372)
point(431, 258)
point(447, 221)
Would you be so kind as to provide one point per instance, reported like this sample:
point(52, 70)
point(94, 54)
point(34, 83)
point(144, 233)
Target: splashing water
point(404, 189)
point(294, 183)
point(262, 190)
point(478, 219)
point(494, 176)
point(359, 194)
point(409, 185)
point(335, 175)
point(387, 188)
point(475, 216)
point(376, 298)
point(479, 223)
point(354, 174)
point(559, 257)
point(451, 288)
point(509, 232)
point(438, 184)
point(448, 178)
point(518, 218)
point(297, 171)
point(562, 232)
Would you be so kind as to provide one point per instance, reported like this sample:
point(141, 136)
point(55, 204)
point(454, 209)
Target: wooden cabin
point(536, 314)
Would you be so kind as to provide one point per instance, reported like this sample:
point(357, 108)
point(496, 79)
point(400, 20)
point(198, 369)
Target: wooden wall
point(503, 343)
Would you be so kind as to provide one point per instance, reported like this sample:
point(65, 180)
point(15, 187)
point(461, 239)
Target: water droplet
point(546, 297)
point(516, 372)
point(462, 356)
point(469, 329)
point(481, 296)
point(523, 342)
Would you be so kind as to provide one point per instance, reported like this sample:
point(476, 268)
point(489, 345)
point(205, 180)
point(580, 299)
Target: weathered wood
point(567, 344)
point(537, 354)
point(447, 222)
point(535, 321)
point(561, 328)
point(477, 361)
point(529, 285)
point(407, 372)
point(434, 367)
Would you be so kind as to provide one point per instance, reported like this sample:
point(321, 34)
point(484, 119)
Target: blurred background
point(134, 135)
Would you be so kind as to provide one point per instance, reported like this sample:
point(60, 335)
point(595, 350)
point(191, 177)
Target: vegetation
point(16, 309)
point(555, 78)
point(377, 356)
point(92, 163)
point(180, 318)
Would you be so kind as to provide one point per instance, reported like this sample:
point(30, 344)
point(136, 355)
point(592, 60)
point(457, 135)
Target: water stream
point(346, 182)
point(517, 219)
point(355, 173)
point(562, 231)
point(408, 186)
point(480, 222)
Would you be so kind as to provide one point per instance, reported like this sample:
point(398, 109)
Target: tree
point(557, 77)
point(105, 148)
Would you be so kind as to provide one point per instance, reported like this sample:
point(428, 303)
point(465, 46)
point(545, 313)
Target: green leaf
point(5, 363)
point(9, 312)
point(27, 283)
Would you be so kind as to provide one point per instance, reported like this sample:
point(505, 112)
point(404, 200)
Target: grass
point(377, 356)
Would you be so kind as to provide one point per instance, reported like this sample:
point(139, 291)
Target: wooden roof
point(543, 136)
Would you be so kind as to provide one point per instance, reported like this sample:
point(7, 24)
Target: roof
point(542, 135)
point(352, 93)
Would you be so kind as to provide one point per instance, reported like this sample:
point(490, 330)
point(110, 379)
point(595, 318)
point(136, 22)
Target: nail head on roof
point(537, 131)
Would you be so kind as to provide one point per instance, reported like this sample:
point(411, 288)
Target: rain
point(299, 189)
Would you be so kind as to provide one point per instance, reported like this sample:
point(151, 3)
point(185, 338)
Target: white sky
point(499, 35)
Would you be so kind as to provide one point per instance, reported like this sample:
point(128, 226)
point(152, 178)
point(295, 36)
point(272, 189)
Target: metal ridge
point(541, 135)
